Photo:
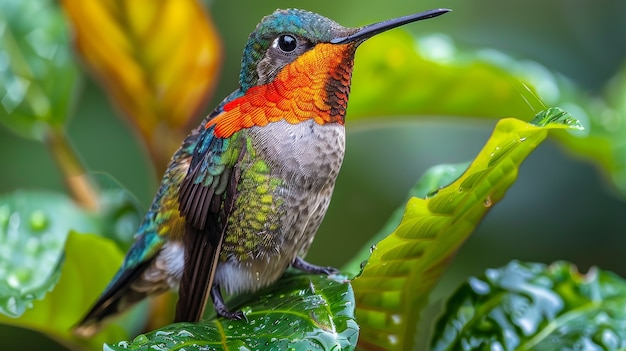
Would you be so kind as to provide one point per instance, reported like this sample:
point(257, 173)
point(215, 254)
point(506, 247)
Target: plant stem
point(82, 190)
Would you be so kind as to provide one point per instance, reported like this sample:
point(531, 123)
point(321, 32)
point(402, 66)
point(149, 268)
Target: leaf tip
point(556, 116)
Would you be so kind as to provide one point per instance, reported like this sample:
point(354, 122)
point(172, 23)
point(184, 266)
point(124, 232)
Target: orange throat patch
point(314, 86)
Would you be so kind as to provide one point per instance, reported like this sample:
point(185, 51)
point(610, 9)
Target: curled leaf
point(405, 266)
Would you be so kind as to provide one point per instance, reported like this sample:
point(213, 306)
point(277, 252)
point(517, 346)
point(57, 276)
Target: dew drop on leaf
point(396, 319)
point(488, 202)
point(38, 221)
point(184, 334)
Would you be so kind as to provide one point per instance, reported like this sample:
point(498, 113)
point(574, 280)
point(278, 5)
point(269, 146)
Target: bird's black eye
point(287, 43)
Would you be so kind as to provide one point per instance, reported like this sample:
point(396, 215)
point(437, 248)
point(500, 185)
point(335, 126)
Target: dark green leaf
point(404, 267)
point(300, 312)
point(37, 74)
point(531, 306)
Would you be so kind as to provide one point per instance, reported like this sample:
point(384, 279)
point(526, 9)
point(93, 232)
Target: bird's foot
point(220, 306)
point(305, 266)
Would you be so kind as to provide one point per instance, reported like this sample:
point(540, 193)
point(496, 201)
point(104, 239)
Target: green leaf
point(300, 312)
point(33, 229)
point(37, 73)
point(41, 267)
point(605, 122)
point(433, 179)
point(90, 261)
point(404, 267)
point(531, 306)
point(397, 74)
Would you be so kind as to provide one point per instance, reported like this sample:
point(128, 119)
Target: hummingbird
point(243, 197)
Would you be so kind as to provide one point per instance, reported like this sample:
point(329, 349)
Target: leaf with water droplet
point(532, 306)
point(406, 264)
point(33, 229)
point(287, 315)
point(40, 268)
point(37, 73)
point(63, 306)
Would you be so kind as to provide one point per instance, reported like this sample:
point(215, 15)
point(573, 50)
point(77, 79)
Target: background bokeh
point(560, 207)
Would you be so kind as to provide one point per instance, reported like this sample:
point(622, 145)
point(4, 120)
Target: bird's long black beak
point(376, 28)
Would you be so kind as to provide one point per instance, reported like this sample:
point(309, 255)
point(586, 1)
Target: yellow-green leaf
point(405, 266)
point(158, 60)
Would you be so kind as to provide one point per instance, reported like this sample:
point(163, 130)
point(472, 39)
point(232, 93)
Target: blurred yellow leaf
point(158, 60)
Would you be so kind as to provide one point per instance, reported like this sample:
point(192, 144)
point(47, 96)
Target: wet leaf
point(158, 61)
point(532, 306)
point(40, 267)
point(62, 308)
point(300, 312)
point(405, 266)
point(37, 72)
point(33, 229)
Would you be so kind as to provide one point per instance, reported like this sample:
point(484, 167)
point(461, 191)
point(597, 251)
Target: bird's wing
point(205, 200)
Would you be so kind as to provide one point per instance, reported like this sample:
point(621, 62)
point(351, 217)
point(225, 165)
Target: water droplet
point(522, 139)
point(16, 88)
point(372, 248)
point(13, 281)
point(11, 306)
point(13, 227)
point(123, 344)
point(396, 319)
point(487, 202)
point(38, 221)
point(141, 339)
point(184, 334)
point(393, 339)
